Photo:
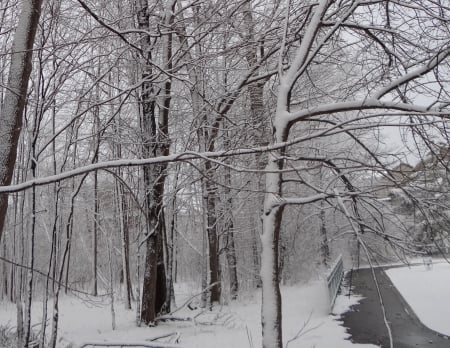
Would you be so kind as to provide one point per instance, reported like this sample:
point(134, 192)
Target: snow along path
point(366, 322)
point(236, 325)
point(427, 291)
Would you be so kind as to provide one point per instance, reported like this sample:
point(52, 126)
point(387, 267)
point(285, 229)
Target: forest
point(235, 145)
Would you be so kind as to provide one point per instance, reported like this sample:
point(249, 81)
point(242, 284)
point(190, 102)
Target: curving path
point(365, 320)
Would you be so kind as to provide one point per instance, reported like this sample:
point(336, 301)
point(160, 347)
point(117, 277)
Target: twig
point(302, 330)
point(189, 300)
point(46, 276)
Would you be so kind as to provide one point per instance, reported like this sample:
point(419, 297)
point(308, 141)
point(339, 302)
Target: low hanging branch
point(43, 274)
point(190, 155)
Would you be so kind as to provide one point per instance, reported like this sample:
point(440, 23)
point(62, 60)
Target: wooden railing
point(334, 279)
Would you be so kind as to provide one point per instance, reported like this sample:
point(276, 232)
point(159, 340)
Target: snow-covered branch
point(417, 73)
point(365, 104)
point(179, 157)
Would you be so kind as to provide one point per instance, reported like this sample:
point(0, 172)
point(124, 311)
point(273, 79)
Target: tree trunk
point(270, 273)
point(125, 243)
point(210, 194)
point(324, 248)
point(4, 288)
point(171, 248)
point(15, 95)
point(156, 143)
point(260, 128)
point(97, 139)
point(95, 237)
point(230, 249)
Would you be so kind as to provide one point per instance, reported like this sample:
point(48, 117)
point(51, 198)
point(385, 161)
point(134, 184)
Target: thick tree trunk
point(154, 288)
point(154, 274)
point(210, 194)
point(156, 143)
point(260, 127)
point(15, 96)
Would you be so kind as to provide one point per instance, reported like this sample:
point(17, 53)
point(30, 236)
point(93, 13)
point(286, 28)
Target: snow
point(426, 290)
point(305, 316)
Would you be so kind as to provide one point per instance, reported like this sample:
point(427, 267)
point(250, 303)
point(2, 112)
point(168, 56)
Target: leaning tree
point(14, 99)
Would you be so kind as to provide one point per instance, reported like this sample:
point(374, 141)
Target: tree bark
point(95, 237)
point(229, 236)
point(125, 242)
point(156, 143)
point(324, 247)
point(11, 110)
point(270, 273)
point(210, 194)
point(260, 132)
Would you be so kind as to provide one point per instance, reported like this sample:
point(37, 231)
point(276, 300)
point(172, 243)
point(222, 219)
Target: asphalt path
point(365, 321)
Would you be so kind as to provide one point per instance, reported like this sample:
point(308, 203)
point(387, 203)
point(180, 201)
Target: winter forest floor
point(306, 322)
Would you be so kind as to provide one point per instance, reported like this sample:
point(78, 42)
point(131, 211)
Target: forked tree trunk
point(273, 200)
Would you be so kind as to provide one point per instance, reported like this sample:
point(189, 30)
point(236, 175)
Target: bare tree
point(323, 24)
point(156, 143)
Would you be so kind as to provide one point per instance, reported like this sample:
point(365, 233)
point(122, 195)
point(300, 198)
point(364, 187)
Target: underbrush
point(8, 337)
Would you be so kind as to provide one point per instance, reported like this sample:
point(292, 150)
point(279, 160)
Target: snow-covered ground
point(305, 316)
point(427, 291)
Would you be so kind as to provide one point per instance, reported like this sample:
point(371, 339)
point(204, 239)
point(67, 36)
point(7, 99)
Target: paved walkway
point(365, 320)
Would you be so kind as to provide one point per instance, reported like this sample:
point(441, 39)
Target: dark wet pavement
point(365, 321)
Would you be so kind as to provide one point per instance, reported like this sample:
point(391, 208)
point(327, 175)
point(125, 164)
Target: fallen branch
point(176, 334)
point(172, 318)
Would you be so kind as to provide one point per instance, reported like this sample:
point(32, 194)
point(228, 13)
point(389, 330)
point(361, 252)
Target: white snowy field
point(427, 291)
point(305, 310)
